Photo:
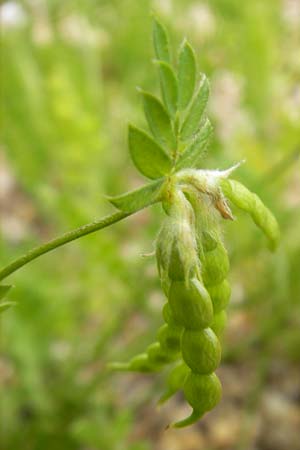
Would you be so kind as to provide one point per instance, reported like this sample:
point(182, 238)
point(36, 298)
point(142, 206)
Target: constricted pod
point(203, 393)
point(191, 305)
point(201, 350)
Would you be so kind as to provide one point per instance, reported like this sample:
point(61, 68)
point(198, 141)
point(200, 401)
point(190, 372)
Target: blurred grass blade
point(148, 157)
point(169, 88)
point(192, 156)
point(5, 305)
point(186, 74)
point(160, 41)
point(4, 290)
point(139, 198)
point(194, 114)
point(159, 121)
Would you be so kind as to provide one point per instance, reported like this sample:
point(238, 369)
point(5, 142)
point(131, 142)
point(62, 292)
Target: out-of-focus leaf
point(148, 157)
point(4, 290)
point(158, 121)
point(168, 84)
point(139, 198)
point(186, 74)
point(194, 114)
point(160, 41)
point(5, 305)
point(192, 156)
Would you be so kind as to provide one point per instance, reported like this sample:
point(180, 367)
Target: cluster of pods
point(193, 266)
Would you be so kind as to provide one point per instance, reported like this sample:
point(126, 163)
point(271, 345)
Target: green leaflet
point(252, 204)
point(186, 74)
point(192, 156)
point(169, 88)
point(159, 121)
point(133, 201)
point(194, 114)
point(160, 41)
point(148, 157)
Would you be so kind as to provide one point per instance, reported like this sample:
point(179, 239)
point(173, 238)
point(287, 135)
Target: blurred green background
point(69, 71)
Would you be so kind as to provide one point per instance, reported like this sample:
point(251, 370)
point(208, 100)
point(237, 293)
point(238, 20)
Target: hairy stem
point(62, 240)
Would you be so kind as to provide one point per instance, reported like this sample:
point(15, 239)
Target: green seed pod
point(219, 323)
point(191, 305)
point(176, 268)
point(201, 350)
point(215, 266)
point(157, 356)
point(175, 381)
point(169, 338)
point(139, 363)
point(209, 241)
point(220, 295)
point(168, 316)
point(203, 393)
point(249, 202)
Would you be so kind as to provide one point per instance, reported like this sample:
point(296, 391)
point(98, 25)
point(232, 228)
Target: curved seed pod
point(220, 295)
point(191, 305)
point(139, 363)
point(169, 338)
point(175, 381)
point(249, 202)
point(201, 350)
point(215, 266)
point(219, 323)
point(203, 393)
point(156, 355)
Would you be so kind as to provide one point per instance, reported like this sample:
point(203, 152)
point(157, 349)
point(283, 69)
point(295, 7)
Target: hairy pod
point(220, 295)
point(191, 305)
point(215, 266)
point(175, 381)
point(219, 323)
point(203, 393)
point(201, 350)
point(169, 338)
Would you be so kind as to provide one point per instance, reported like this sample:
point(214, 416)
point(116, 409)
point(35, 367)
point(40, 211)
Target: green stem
point(62, 240)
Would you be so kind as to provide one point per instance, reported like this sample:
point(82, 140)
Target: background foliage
point(68, 90)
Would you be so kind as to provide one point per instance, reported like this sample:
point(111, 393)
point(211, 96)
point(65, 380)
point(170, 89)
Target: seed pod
point(168, 316)
point(219, 323)
point(175, 381)
point(220, 295)
point(169, 338)
point(249, 202)
point(190, 305)
point(203, 393)
point(201, 350)
point(209, 241)
point(176, 268)
point(156, 356)
point(139, 363)
point(215, 266)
